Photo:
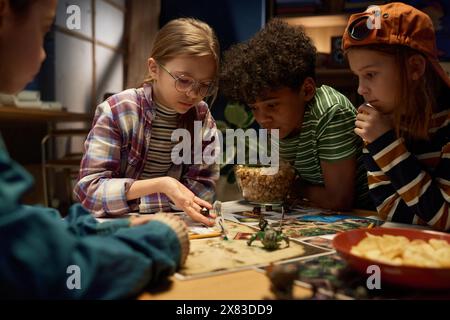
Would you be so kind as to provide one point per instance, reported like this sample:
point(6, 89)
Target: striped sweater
point(159, 159)
point(410, 182)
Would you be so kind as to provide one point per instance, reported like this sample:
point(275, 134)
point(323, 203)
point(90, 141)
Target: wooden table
point(241, 285)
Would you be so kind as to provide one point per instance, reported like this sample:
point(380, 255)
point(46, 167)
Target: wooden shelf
point(318, 21)
point(40, 115)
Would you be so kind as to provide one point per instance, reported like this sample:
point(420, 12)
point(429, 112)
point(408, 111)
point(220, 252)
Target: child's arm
point(402, 190)
point(337, 147)
point(337, 193)
point(183, 198)
point(82, 223)
point(48, 257)
point(100, 188)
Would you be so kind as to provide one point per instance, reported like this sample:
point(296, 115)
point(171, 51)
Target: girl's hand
point(372, 124)
point(187, 201)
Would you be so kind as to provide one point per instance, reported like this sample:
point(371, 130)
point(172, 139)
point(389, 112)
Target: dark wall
point(233, 21)
point(45, 79)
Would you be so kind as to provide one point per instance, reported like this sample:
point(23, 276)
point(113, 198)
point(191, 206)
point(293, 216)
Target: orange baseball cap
point(395, 24)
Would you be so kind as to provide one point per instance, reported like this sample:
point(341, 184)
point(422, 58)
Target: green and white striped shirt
point(326, 135)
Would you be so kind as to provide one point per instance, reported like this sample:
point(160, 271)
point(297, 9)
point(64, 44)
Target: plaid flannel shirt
point(115, 154)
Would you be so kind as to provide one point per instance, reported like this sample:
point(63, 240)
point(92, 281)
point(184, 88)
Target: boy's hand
point(372, 124)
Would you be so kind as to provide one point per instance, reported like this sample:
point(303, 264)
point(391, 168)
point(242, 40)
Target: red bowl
point(406, 276)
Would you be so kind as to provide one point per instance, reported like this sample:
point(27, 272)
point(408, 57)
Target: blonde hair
point(185, 36)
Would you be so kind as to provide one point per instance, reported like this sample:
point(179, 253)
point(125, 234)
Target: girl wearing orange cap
point(405, 121)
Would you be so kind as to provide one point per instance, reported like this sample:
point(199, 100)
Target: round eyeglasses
point(184, 83)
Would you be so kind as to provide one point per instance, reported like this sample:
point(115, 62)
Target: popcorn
point(401, 251)
point(262, 188)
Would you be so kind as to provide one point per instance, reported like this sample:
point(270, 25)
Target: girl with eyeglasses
point(405, 121)
point(127, 165)
point(43, 256)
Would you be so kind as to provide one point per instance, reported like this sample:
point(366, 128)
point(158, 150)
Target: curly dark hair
point(280, 55)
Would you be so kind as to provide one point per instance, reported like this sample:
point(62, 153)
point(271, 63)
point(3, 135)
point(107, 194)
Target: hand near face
point(187, 201)
point(372, 124)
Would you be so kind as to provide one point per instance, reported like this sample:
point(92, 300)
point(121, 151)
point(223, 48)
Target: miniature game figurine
point(217, 209)
point(204, 211)
point(269, 237)
point(257, 210)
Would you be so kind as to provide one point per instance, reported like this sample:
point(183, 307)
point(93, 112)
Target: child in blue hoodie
point(44, 256)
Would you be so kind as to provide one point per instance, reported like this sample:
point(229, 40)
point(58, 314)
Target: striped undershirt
point(327, 135)
point(159, 159)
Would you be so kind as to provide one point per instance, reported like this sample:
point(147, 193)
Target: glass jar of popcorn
point(264, 185)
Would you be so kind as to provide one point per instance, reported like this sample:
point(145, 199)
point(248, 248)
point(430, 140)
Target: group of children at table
point(392, 153)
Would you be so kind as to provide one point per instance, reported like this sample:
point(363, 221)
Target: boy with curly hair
point(274, 74)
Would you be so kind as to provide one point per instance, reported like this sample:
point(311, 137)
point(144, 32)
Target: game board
point(300, 226)
point(329, 277)
point(216, 255)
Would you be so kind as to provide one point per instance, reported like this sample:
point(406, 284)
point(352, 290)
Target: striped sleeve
point(400, 187)
point(155, 202)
